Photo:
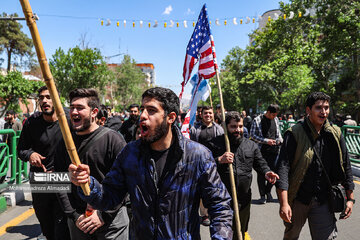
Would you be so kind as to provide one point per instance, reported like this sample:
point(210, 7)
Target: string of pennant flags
point(186, 23)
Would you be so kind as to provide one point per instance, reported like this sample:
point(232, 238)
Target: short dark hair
point(206, 108)
point(217, 118)
point(133, 106)
point(11, 112)
point(43, 88)
point(315, 96)
point(167, 98)
point(273, 108)
point(102, 112)
point(232, 115)
point(89, 93)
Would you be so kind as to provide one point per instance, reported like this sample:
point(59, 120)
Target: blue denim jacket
point(168, 210)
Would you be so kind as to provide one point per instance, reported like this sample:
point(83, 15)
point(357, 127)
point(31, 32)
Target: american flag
point(201, 45)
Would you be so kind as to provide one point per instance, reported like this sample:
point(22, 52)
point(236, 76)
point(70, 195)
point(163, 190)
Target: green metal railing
point(9, 160)
point(284, 125)
point(352, 139)
point(351, 135)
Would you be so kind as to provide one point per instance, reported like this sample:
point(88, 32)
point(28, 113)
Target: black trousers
point(263, 185)
point(244, 215)
point(53, 221)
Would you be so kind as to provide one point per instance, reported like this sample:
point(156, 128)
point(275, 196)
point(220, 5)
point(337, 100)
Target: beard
point(160, 131)
point(134, 118)
point(235, 140)
point(86, 124)
point(48, 113)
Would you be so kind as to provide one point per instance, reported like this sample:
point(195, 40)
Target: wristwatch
point(351, 200)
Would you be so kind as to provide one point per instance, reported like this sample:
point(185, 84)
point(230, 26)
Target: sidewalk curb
point(15, 197)
point(355, 170)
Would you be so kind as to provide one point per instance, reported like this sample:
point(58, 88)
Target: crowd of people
point(148, 181)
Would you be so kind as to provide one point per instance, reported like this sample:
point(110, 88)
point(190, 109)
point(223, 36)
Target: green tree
point(255, 77)
point(14, 87)
point(339, 23)
point(79, 68)
point(300, 82)
point(130, 82)
point(289, 58)
point(13, 40)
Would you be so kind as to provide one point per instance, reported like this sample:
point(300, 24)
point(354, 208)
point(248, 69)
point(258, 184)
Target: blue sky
point(164, 47)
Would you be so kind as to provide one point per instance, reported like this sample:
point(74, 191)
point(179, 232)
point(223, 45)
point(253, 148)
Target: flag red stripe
point(206, 52)
point(206, 65)
point(208, 76)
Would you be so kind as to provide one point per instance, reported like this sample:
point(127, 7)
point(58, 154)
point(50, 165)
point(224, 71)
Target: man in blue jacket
point(165, 175)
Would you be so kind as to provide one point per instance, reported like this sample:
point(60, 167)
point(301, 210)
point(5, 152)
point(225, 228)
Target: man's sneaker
point(262, 200)
point(269, 198)
point(205, 220)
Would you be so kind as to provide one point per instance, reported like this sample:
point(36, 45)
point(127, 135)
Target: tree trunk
point(8, 60)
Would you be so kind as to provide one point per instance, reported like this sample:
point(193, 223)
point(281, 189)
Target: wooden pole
point(211, 104)
point(231, 171)
point(49, 81)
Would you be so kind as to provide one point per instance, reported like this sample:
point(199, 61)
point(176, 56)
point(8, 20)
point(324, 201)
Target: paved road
point(264, 224)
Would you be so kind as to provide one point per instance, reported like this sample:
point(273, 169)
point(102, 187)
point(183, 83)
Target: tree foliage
point(129, 81)
point(339, 22)
point(289, 58)
point(13, 40)
point(14, 87)
point(79, 68)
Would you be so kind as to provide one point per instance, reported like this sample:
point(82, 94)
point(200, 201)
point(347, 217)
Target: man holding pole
point(201, 48)
point(244, 156)
point(98, 147)
point(165, 175)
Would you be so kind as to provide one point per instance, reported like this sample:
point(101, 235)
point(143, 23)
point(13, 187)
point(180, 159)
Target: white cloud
point(168, 10)
point(189, 12)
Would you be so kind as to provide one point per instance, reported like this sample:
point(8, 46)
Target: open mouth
point(144, 130)
point(76, 119)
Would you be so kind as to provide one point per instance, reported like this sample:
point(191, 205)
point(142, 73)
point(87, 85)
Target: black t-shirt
point(314, 182)
point(268, 129)
point(206, 135)
point(39, 136)
point(100, 157)
point(160, 161)
point(165, 161)
point(128, 129)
